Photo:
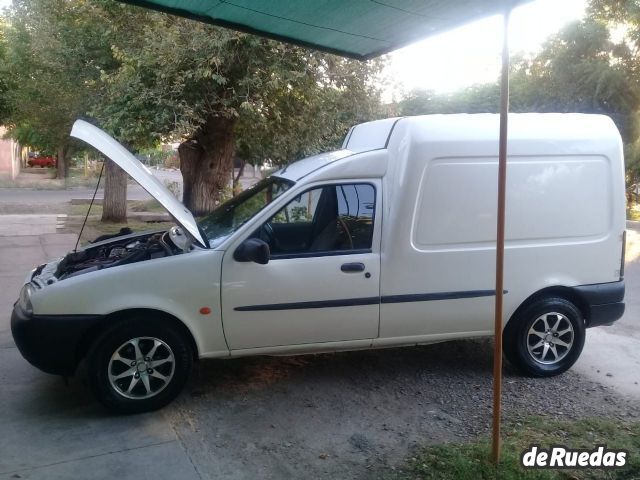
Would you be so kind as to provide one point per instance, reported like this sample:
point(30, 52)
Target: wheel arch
point(89, 337)
point(567, 293)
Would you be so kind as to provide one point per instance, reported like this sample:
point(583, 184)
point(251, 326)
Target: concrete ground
point(349, 415)
point(53, 431)
point(611, 354)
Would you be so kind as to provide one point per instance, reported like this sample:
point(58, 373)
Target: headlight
point(25, 300)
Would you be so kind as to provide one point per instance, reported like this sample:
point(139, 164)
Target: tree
point(481, 98)
point(580, 69)
point(55, 56)
point(313, 118)
point(4, 83)
point(115, 202)
point(214, 90)
point(148, 78)
point(56, 51)
point(624, 16)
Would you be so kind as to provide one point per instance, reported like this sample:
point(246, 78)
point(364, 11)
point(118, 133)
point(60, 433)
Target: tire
point(127, 380)
point(532, 350)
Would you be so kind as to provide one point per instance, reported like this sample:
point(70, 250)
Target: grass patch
point(46, 181)
point(151, 205)
point(470, 461)
point(95, 228)
point(132, 206)
point(71, 182)
point(82, 210)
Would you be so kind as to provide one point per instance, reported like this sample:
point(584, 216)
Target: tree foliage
point(580, 69)
point(55, 51)
point(221, 92)
point(149, 77)
point(623, 16)
point(4, 84)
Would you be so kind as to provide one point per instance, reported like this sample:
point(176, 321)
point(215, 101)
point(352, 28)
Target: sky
point(471, 53)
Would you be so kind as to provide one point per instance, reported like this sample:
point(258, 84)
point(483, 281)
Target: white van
point(389, 241)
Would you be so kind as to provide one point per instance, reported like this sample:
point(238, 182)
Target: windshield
point(231, 215)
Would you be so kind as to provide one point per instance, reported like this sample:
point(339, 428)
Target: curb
point(61, 221)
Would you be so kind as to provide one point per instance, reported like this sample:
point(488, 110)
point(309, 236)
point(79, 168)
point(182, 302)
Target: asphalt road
point(351, 415)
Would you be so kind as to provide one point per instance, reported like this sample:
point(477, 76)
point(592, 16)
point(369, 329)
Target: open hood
point(141, 174)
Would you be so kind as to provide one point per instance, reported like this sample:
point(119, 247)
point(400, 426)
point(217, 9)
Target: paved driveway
point(52, 431)
point(612, 354)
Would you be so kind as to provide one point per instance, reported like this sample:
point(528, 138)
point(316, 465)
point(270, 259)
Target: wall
point(9, 156)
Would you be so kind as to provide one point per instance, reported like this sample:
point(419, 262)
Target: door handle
point(352, 267)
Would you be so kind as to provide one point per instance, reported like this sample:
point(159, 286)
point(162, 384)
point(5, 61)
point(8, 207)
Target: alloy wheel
point(550, 338)
point(141, 368)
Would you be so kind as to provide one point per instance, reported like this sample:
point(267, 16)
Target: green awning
point(360, 29)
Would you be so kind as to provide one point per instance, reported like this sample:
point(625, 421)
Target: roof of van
point(543, 128)
point(484, 126)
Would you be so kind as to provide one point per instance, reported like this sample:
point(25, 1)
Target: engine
point(122, 251)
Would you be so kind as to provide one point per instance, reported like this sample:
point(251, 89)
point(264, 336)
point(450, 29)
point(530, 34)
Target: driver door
point(322, 280)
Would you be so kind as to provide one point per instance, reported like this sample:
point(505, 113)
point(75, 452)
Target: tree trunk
point(237, 188)
point(206, 163)
point(114, 207)
point(61, 163)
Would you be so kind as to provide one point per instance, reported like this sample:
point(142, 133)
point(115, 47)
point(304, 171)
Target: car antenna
point(86, 217)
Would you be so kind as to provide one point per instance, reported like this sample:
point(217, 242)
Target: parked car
point(42, 162)
point(389, 241)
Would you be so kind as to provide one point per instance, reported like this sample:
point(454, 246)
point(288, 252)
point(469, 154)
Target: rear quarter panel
point(564, 223)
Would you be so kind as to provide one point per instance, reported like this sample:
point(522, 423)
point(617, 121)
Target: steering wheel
point(344, 227)
point(269, 236)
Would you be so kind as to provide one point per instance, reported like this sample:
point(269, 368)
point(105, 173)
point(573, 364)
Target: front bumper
point(50, 342)
point(604, 302)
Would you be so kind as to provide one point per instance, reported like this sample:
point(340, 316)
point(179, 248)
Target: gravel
point(359, 414)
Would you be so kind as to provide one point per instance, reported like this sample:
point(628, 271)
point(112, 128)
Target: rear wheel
point(139, 365)
point(545, 338)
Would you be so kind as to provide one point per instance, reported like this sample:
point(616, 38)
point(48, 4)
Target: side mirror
point(253, 250)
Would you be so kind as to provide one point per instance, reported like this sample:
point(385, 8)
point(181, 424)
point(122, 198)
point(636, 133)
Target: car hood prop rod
point(86, 217)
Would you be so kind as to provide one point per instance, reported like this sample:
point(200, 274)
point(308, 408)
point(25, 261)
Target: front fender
point(179, 285)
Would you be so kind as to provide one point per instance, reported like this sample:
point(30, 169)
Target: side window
point(356, 206)
point(326, 219)
point(300, 210)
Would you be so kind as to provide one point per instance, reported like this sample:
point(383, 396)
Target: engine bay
point(121, 251)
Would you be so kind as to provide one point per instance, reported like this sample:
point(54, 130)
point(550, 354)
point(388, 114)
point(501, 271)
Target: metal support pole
point(502, 178)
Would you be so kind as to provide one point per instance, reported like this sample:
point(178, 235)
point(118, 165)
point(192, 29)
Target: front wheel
point(139, 365)
point(545, 338)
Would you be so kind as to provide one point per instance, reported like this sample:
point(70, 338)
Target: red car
point(42, 162)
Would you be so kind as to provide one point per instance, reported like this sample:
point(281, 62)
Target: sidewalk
point(29, 224)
